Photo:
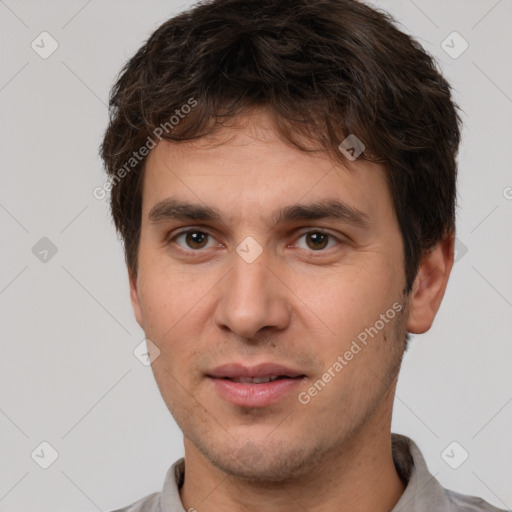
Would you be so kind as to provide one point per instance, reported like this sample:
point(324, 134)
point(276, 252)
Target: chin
point(265, 463)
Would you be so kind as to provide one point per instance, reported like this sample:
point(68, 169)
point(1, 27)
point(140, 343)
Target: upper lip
point(235, 370)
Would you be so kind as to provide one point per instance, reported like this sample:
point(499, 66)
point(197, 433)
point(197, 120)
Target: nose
point(252, 298)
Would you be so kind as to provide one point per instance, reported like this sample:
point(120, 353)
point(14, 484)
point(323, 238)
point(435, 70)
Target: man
point(283, 178)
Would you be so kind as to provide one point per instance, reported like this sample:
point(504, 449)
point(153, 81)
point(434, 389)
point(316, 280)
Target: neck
point(360, 476)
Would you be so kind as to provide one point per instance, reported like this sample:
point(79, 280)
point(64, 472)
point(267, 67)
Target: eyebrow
point(174, 209)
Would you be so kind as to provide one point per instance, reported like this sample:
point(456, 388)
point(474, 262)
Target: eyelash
point(315, 231)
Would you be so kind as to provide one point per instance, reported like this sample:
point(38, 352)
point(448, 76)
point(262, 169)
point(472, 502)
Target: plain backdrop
point(68, 373)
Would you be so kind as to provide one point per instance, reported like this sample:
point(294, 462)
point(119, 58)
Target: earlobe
point(134, 297)
point(430, 285)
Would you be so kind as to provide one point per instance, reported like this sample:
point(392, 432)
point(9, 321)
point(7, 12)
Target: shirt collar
point(423, 492)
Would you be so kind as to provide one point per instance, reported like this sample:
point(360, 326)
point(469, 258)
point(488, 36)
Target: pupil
point(196, 239)
point(317, 237)
point(319, 240)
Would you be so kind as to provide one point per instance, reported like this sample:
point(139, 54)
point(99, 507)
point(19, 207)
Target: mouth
point(256, 386)
point(271, 371)
point(259, 380)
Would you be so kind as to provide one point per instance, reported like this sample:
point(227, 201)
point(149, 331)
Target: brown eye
point(317, 240)
point(193, 239)
point(196, 240)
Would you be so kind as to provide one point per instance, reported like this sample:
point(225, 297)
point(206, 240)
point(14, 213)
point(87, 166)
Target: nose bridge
point(251, 297)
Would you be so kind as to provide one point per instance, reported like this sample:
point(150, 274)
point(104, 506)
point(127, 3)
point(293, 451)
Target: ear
point(134, 297)
point(430, 284)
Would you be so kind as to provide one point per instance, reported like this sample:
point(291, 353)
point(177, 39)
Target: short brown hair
point(325, 69)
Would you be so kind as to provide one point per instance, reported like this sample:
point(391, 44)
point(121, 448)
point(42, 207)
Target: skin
point(203, 305)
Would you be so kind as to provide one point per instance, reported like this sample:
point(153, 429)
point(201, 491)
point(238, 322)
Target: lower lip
point(255, 395)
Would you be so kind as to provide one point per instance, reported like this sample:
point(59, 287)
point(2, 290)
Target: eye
point(194, 239)
point(317, 240)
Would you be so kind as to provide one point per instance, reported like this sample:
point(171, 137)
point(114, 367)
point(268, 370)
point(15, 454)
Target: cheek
point(173, 309)
point(167, 293)
point(351, 299)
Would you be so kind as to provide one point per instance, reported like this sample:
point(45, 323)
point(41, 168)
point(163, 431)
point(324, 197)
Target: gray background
point(68, 373)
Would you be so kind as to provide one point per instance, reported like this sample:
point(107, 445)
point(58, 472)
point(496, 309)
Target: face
point(257, 280)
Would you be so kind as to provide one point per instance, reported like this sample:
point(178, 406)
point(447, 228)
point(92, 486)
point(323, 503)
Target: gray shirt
point(423, 492)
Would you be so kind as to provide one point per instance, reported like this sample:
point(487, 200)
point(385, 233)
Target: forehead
point(247, 170)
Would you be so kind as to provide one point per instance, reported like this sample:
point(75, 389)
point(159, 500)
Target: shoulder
point(423, 492)
point(168, 500)
point(466, 503)
point(150, 503)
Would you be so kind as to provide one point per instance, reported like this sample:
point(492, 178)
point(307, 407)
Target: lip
point(254, 395)
point(236, 370)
